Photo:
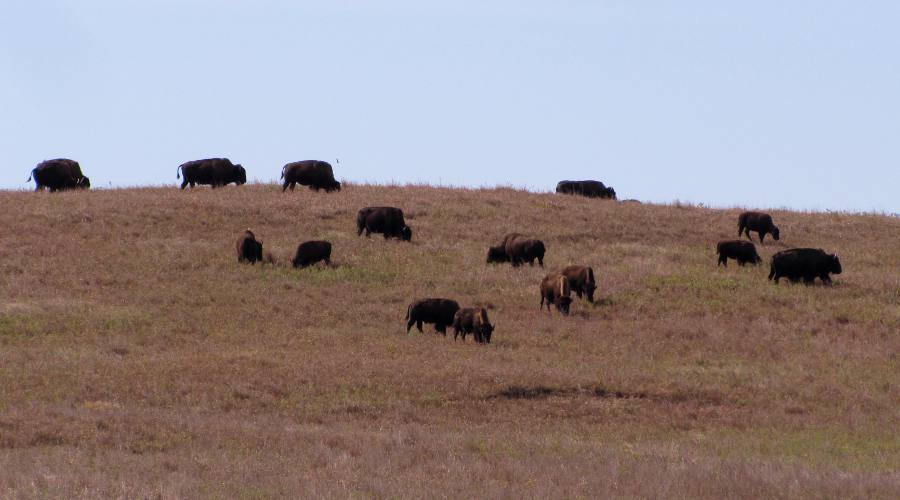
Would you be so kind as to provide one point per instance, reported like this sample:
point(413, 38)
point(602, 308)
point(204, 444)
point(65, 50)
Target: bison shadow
point(516, 392)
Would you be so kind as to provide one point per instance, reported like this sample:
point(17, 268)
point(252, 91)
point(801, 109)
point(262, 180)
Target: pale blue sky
point(765, 103)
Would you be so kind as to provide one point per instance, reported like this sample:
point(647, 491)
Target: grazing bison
point(58, 175)
point(310, 252)
point(591, 189)
point(759, 222)
point(313, 173)
point(581, 281)
point(249, 249)
point(473, 320)
point(212, 171)
point(386, 220)
point(742, 251)
point(555, 290)
point(521, 249)
point(438, 311)
point(497, 255)
point(806, 264)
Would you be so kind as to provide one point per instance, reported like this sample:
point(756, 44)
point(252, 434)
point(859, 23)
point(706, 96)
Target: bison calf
point(440, 312)
point(473, 320)
point(742, 251)
point(310, 252)
point(759, 222)
point(555, 290)
point(249, 249)
point(806, 264)
point(581, 281)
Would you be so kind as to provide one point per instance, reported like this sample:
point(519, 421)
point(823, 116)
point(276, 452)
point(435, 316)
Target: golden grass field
point(139, 359)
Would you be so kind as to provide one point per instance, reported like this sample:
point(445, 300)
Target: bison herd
point(556, 288)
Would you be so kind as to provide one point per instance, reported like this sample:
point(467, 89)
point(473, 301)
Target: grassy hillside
point(138, 358)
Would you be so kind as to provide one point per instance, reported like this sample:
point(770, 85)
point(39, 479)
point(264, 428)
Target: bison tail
point(282, 171)
point(408, 308)
point(772, 271)
point(178, 172)
point(591, 274)
point(30, 176)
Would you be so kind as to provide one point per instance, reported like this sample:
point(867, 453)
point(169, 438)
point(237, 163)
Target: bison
point(386, 220)
point(249, 249)
point(473, 320)
point(806, 264)
point(313, 173)
point(212, 171)
point(759, 222)
point(57, 175)
point(743, 252)
point(555, 290)
point(522, 249)
point(441, 312)
point(591, 189)
point(581, 281)
point(310, 252)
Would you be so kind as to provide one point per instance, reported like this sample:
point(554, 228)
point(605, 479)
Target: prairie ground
point(139, 359)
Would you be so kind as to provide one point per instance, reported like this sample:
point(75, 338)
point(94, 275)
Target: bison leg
point(419, 326)
point(825, 278)
point(723, 260)
point(762, 236)
point(409, 325)
point(184, 183)
point(285, 186)
point(441, 328)
point(541, 261)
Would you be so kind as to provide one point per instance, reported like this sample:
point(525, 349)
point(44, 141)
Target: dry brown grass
point(137, 358)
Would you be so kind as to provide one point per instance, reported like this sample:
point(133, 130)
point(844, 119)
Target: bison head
point(776, 233)
point(563, 303)
point(497, 254)
point(333, 186)
point(82, 183)
point(406, 233)
point(486, 330)
point(609, 193)
point(836, 265)
point(240, 175)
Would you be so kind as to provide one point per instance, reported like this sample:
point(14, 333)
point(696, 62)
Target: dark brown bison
point(591, 189)
point(744, 252)
point(59, 174)
point(249, 249)
point(806, 264)
point(473, 320)
point(581, 281)
point(313, 173)
point(496, 255)
point(521, 249)
point(212, 171)
point(438, 311)
point(759, 222)
point(555, 290)
point(385, 220)
point(310, 252)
